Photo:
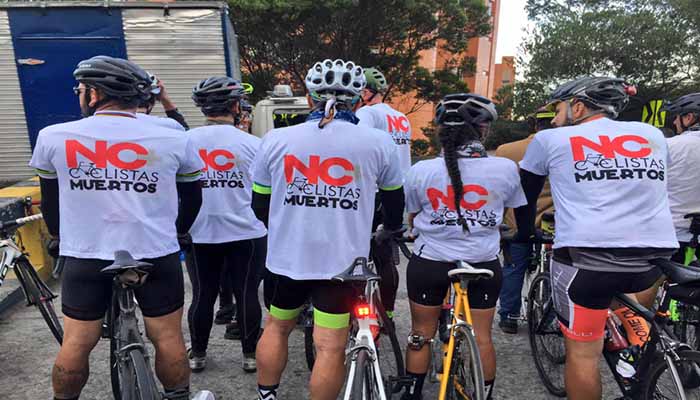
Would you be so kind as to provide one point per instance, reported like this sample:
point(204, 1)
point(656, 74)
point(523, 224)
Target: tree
point(285, 37)
point(504, 101)
point(651, 43)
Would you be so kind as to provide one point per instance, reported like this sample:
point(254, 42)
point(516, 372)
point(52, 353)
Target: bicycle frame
point(460, 308)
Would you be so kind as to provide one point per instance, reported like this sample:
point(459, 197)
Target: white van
point(281, 108)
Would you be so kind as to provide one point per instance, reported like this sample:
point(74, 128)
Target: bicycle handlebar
point(20, 221)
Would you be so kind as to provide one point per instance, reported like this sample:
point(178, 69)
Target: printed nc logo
point(218, 160)
point(397, 124)
point(477, 192)
point(123, 155)
point(334, 171)
point(609, 148)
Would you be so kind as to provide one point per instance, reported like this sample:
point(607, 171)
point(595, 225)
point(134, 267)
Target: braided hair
point(451, 138)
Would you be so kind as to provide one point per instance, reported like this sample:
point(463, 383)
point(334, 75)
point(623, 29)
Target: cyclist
point(510, 298)
point(317, 229)
point(175, 120)
point(612, 215)
point(684, 156)
point(131, 199)
point(374, 113)
point(475, 188)
point(227, 236)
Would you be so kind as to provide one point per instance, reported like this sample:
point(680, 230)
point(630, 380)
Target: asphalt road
point(27, 352)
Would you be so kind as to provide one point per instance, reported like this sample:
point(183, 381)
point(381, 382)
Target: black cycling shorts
point(332, 301)
point(86, 292)
point(427, 282)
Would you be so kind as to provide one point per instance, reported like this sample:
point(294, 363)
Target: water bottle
point(625, 364)
point(614, 340)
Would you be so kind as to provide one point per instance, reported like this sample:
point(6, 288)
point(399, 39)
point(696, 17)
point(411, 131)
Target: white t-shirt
point(608, 183)
point(116, 179)
point(490, 185)
point(322, 184)
point(684, 180)
point(161, 121)
point(226, 214)
point(381, 116)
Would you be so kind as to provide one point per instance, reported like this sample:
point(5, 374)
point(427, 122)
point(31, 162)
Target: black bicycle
point(664, 368)
point(130, 370)
point(36, 292)
point(686, 317)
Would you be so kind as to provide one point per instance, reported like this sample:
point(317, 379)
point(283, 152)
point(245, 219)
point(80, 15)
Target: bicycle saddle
point(123, 261)
point(692, 215)
point(468, 272)
point(678, 273)
point(358, 272)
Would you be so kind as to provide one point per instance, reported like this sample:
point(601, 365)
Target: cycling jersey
point(161, 121)
point(226, 215)
point(683, 182)
point(322, 184)
point(381, 116)
point(490, 185)
point(116, 177)
point(608, 182)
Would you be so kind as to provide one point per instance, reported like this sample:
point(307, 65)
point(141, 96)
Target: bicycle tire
point(688, 367)
point(466, 354)
point(388, 330)
point(145, 382)
point(113, 328)
point(40, 296)
point(539, 295)
point(309, 350)
point(363, 379)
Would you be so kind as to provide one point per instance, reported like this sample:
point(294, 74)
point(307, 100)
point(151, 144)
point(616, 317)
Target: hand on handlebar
point(185, 241)
point(52, 247)
point(382, 235)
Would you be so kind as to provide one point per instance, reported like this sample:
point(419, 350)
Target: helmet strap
point(328, 113)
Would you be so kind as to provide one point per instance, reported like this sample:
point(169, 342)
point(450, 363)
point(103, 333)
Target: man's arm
point(170, 107)
point(49, 204)
point(393, 204)
point(525, 216)
point(261, 207)
point(190, 195)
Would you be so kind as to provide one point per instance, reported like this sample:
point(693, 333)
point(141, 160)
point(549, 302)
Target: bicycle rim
point(546, 340)
point(466, 376)
point(145, 382)
point(662, 383)
point(43, 298)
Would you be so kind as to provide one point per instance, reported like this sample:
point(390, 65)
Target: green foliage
point(285, 37)
point(651, 43)
point(504, 102)
point(504, 131)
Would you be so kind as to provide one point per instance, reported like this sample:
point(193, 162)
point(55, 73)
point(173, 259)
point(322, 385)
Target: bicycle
point(639, 372)
point(36, 292)
point(130, 372)
point(686, 317)
point(374, 373)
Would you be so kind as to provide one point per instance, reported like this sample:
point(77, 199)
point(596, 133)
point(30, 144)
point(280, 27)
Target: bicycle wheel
point(40, 296)
point(364, 382)
point(686, 328)
point(112, 321)
point(466, 376)
point(145, 383)
point(660, 382)
point(306, 319)
point(546, 339)
point(388, 348)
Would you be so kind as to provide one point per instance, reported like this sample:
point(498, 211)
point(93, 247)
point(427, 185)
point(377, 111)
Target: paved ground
point(27, 351)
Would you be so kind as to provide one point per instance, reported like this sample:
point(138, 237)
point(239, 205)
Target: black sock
point(415, 391)
point(488, 388)
point(177, 394)
point(267, 392)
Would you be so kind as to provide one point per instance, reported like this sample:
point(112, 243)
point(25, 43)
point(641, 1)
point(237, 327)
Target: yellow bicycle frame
point(461, 313)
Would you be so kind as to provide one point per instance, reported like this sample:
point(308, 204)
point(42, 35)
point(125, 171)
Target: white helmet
point(338, 78)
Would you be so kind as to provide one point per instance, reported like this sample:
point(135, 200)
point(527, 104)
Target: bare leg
point(329, 372)
point(72, 367)
point(172, 367)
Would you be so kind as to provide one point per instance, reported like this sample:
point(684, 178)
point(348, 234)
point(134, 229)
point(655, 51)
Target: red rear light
point(362, 311)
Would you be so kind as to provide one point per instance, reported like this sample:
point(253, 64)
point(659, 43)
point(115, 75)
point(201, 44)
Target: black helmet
point(245, 106)
point(216, 94)
point(115, 76)
point(690, 103)
point(608, 94)
point(465, 108)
